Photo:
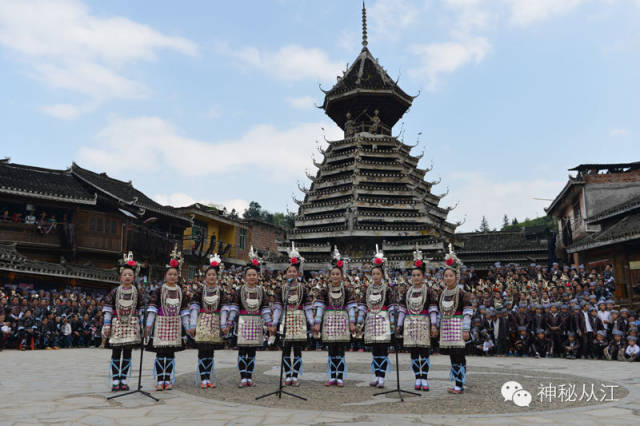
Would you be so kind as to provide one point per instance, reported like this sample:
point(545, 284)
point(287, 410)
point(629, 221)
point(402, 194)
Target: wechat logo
point(513, 391)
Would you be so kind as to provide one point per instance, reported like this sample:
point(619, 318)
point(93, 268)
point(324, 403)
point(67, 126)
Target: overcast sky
point(213, 101)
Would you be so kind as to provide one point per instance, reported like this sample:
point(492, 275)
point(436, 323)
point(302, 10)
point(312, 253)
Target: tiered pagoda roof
point(368, 188)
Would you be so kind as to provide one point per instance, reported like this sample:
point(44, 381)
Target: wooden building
point(77, 217)
point(482, 250)
point(598, 213)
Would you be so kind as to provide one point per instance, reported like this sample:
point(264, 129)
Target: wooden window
point(99, 227)
point(243, 239)
point(92, 224)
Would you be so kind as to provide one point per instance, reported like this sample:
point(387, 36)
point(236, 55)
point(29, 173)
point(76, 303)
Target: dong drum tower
point(368, 188)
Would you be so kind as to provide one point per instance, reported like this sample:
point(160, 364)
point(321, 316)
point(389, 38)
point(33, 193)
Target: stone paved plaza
point(70, 387)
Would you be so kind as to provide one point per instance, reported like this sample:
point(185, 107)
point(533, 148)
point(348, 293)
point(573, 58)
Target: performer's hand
point(465, 335)
point(106, 330)
point(148, 331)
point(191, 332)
point(398, 330)
point(316, 328)
point(434, 331)
point(226, 330)
point(272, 330)
point(352, 327)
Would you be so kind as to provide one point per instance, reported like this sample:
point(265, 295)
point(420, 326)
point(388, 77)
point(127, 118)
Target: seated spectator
point(632, 351)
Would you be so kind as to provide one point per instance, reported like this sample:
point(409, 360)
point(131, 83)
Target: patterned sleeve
point(467, 305)
point(194, 307)
point(318, 304)
point(401, 304)
point(185, 314)
point(362, 305)
point(401, 301)
point(195, 301)
point(352, 306)
point(467, 310)
point(109, 301)
point(277, 295)
point(432, 302)
point(277, 305)
point(229, 309)
point(265, 309)
point(154, 303)
point(307, 296)
point(350, 298)
point(141, 296)
point(323, 297)
point(109, 306)
point(233, 297)
point(390, 297)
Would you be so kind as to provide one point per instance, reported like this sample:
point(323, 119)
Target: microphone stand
point(394, 341)
point(142, 337)
point(279, 392)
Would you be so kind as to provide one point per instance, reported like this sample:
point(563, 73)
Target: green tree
point(254, 211)
point(484, 225)
point(505, 222)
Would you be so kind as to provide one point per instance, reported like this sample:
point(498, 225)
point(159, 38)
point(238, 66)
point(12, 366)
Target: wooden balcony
point(29, 235)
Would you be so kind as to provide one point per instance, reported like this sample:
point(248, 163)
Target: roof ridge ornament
point(364, 26)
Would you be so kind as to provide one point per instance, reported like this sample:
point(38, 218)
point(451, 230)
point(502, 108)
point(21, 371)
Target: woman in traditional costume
point(123, 310)
point(340, 315)
point(168, 312)
point(213, 310)
point(417, 316)
point(456, 311)
point(254, 314)
point(299, 312)
point(377, 330)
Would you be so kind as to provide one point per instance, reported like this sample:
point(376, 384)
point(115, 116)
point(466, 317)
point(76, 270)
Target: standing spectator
point(26, 331)
point(555, 323)
point(65, 329)
point(30, 219)
point(5, 331)
point(499, 328)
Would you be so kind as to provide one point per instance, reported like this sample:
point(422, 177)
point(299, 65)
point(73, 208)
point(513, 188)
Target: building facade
point(212, 232)
point(598, 213)
point(265, 237)
point(77, 218)
point(482, 250)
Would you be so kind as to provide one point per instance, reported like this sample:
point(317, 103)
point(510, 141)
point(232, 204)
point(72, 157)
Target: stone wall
point(263, 236)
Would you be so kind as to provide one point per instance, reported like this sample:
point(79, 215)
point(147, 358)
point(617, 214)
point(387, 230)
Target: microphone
point(290, 280)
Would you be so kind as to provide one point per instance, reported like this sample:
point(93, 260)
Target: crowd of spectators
point(526, 311)
point(44, 222)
